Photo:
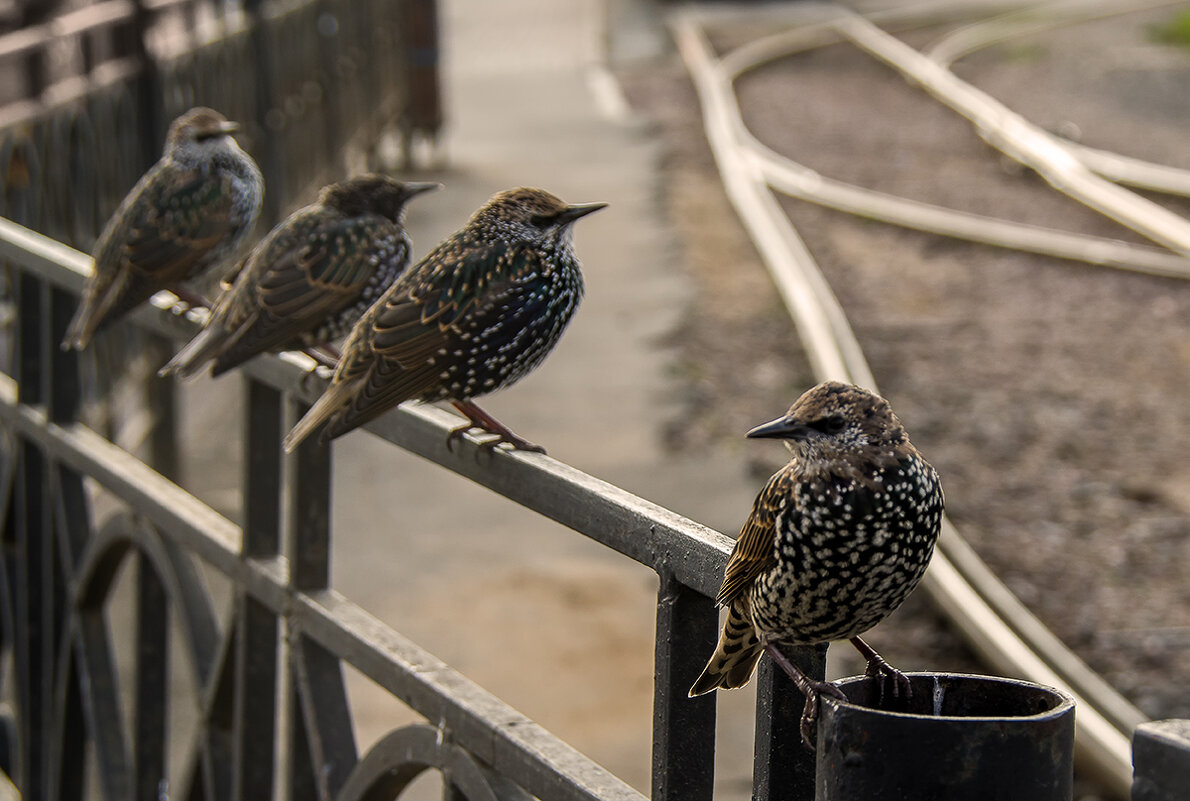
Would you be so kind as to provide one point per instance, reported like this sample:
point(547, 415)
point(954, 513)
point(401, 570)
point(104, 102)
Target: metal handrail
point(291, 583)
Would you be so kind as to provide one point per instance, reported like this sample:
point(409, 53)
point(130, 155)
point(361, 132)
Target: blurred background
point(1048, 392)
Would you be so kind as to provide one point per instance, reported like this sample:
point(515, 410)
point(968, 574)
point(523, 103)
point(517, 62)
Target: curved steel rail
point(993, 621)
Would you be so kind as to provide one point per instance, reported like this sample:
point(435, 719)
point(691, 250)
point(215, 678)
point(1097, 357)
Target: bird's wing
point(299, 288)
point(755, 548)
point(329, 271)
point(424, 317)
point(189, 213)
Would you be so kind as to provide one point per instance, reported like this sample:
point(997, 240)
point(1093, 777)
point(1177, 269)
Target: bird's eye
point(829, 425)
point(541, 220)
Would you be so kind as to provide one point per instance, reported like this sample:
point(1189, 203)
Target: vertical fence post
point(152, 686)
point(309, 547)
point(784, 769)
point(1161, 761)
point(148, 86)
point(268, 154)
point(257, 630)
point(322, 742)
point(161, 397)
point(683, 727)
point(32, 669)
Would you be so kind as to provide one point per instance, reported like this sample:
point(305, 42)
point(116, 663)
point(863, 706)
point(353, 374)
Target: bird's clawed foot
point(479, 420)
point(890, 681)
point(812, 689)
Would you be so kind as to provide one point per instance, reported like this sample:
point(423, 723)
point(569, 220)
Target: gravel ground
point(1050, 395)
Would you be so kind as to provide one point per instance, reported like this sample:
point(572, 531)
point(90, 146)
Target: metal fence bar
point(262, 470)
point(255, 699)
point(152, 673)
point(507, 741)
point(784, 769)
point(1161, 756)
point(309, 549)
point(322, 703)
point(683, 727)
point(690, 557)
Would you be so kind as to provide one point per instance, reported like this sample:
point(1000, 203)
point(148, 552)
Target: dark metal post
point(683, 727)
point(784, 769)
point(268, 154)
point(33, 602)
point(330, 45)
point(64, 387)
point(423, 110)
point(161, 396)
point(975, 738)
point(256, 652)
point(309, 547)
point(255, 700)
point(1161, 761)
point(148, 87)
point(262, 470)
point(152, 690)
point(321, 702)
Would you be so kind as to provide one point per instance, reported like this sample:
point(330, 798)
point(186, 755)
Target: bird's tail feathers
point(93, 311)
point(77, 336)
point(322, 410)
point(190, 360)
point(735, 656)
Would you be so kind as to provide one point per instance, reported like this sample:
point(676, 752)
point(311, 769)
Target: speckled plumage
point(191, 211)
point(311, 278)
point(836, 540)
point(475, 315)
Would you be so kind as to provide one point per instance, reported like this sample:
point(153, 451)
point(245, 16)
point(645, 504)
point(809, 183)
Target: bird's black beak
point(417, 187)
point(781, 428)
point(576, 210)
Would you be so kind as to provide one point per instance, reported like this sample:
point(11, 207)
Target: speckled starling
point(835, 542)
point(311, 278)
point(191, 211)
point(478, 313)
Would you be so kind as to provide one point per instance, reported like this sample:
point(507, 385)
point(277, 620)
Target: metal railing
point(319, 87)
point(91, 93)
point(288, 627)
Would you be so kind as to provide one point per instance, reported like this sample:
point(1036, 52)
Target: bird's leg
point(478, 418)
point(809, 687)
point(883, 672)
point(324, 355)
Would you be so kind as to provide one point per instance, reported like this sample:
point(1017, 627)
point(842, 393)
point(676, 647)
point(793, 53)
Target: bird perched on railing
point(479, 312)
point(311, 278)
point(835, 542)
point(187, 214)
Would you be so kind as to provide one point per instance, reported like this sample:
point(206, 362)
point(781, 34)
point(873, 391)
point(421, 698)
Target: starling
point(311, 278)
point(189, 212)
point(478, 313)
point(835, 542)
